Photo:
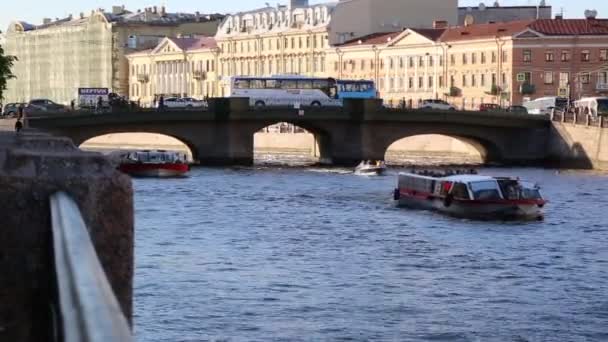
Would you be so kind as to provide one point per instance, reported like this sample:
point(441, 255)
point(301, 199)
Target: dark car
point(44, 106)
point(517, 109)
point(11, 109)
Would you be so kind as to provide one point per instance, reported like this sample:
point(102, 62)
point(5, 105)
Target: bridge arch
point(137, 141)
point(319, 142)
point(489, 151)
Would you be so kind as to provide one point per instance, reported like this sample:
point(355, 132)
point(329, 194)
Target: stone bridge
point(361, 130)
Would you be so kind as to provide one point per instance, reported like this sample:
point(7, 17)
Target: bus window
point(366, 86)
point(602, 107)
point(273, 84)
point(241, 84)
point(289, 84)
point(304, 84)
point(257, 84)
point(333, 92)
point(320, 84)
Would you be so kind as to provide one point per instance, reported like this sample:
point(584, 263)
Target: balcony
point(199, 75)
point(527, 89)
point(602, 86)
point(143, 78)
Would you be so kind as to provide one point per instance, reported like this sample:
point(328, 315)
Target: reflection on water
point(298, 254)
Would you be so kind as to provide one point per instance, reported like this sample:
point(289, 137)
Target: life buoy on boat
point(448, 200)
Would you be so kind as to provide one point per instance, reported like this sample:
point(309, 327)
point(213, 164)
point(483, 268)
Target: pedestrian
point(72, 105)
point(99, 104)
point(19, 123)
point(161, 103)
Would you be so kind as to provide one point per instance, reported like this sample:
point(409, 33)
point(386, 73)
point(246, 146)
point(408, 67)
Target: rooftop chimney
point(155, 10)
point(163, 11)
point(440, 24)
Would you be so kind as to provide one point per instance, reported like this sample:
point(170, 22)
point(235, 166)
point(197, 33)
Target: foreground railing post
point(87, 305)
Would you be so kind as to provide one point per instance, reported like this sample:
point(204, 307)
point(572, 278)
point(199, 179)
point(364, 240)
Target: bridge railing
point(85, 307)
point(579, 119)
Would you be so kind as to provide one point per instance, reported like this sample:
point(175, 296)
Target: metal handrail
point(89, 311)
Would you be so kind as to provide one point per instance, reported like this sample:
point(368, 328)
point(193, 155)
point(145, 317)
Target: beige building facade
point(60, 56)
point(176, 67)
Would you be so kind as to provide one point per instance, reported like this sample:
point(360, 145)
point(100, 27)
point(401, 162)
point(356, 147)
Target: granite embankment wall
point(32, 168)
point(578, 146)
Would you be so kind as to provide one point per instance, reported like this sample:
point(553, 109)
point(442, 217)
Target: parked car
point(517, 109)
point(11, 109)
point(436, 104)
point(488, 107)
point(42, 106)
point(183, 103)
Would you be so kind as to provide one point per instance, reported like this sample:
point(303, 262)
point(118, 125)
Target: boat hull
point(145, 170)
point(375, 171)
point(496, 210)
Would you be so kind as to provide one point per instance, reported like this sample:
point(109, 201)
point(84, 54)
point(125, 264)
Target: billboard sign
point(88, 97)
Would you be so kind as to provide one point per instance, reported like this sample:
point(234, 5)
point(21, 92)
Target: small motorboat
point(152, 163)
point(471, 196)
point(369, 168)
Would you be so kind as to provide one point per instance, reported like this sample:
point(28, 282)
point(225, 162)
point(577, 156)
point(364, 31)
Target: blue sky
point(34, 10)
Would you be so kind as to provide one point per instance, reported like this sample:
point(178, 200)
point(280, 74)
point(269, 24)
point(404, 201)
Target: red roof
point(480, 31)
point(194, 43)
point(569, 27)
point(432, 34)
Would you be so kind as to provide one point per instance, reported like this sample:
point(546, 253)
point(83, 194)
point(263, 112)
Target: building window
point(473, 81)
point(473, 58)
point(548, 77)
point(322, 64)
point(452, 60)
point(420, 82)
point(464, 59)
point(494, 80)
point(441, 82)
point(293, 43)
point(585, 56)
point(391, 64)
point(401, 63)
point(565, 56)
point(362, 64)
point(336, 65)
point(464, 81)
point(421, 61)
point(482, 80)
point(411, 62)
point(505, 56)
point(483, 58)
point(493, 57)
point(604, 55)
point(430, 83)
point(602, 77)
point(564, 79)
point(410, 83)
point(527, 56)
point(549, 56)
point(431, 61)
point(452, 81)
point(440, 60)
point(585, 78)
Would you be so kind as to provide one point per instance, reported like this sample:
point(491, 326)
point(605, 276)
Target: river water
point(305, 254)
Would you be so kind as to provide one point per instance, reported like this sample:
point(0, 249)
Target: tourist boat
point(152, 163)
point(471, 196)
point(368, 168)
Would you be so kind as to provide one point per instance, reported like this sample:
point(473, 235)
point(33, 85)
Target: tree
point(6, 64)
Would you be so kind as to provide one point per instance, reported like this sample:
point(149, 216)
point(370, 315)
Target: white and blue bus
point(305, 91)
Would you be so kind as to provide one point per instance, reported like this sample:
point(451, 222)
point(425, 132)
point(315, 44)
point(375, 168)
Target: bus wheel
point(260, 104)
point(316, 104)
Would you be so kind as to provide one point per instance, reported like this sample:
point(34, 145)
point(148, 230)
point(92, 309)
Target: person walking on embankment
point(19, 124)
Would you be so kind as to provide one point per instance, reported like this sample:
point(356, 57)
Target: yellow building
point(62, 55)
point(296, 39)
point(176, 67)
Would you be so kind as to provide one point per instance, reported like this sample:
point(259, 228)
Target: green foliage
point(6, 64)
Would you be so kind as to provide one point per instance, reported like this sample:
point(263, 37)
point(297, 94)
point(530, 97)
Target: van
point(594, 106)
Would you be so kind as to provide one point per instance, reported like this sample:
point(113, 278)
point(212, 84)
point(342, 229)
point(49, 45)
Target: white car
point(436, 104)
point(184, 103)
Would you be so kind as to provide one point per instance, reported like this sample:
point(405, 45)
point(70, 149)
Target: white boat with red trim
point(472, 196)
point(371, 168)
point(152, 163)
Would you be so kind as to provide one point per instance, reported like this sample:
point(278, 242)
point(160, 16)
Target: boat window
point(530, 191)
point(486, 190)
point(460, 191)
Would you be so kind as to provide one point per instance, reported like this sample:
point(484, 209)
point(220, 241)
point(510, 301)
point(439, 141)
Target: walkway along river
point(323, 255)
